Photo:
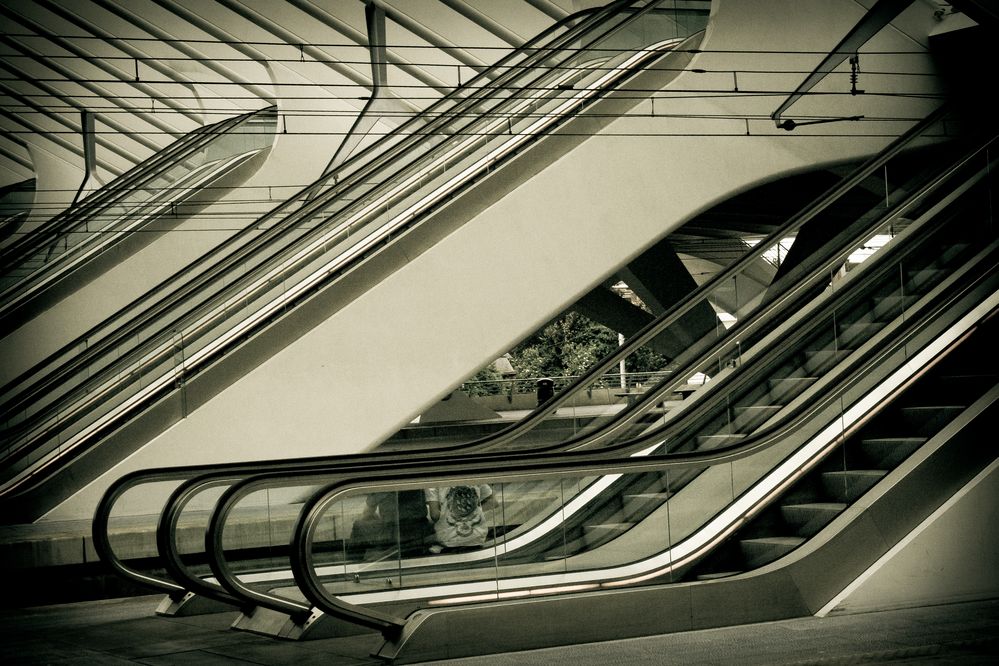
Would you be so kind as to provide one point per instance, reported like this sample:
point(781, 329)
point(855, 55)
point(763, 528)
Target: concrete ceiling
point(153, 70)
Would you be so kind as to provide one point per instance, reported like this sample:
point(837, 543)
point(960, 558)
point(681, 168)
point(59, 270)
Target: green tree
point(566, 346)
point(570, 345)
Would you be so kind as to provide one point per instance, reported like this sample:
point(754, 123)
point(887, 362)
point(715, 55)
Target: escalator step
point(783, 390)
point(639, 504)
point(848, 485)
point(949, 253)
point(818, 361)
point(594, 535)
point(808, 519)
point(928, 419)
point(887, 308)
point(923, 280)
point(760, 551)
point(748, 419)
point(714, 575)
point(958, 388)
point(887, 452)
point(856, 334)
point(715, 441)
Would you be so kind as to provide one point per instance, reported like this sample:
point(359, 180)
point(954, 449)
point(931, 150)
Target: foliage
point(567, 346)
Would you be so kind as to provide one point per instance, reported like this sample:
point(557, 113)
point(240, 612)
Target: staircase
point(852, 469)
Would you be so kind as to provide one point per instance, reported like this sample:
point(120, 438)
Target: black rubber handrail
point(186, 284)
point(221, 470)
point(303, 566)
point(22, 305)
point(745, 375)
point(109, 195)
point(194, 363)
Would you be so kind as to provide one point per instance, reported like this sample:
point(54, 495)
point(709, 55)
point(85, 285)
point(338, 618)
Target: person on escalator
point(390, 520)
point(458, 517)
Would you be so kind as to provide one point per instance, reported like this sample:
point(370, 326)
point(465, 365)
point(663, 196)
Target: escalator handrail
point(186, 285)
point(113, 190)
point(302, 556)
point(289, 298)
point(181, 189)
point(149, 476)
point(110, 194)
point(231, 497)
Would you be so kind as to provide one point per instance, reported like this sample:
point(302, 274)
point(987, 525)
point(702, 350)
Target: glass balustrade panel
point(132, 527)
point(257, 534)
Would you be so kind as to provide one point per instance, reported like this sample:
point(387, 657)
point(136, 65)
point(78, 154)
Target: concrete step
point(950, 253)
point(637, 505)
point(928, 419)
point(784, 390)
point(818, 362)
point(887, 308)
point(715, 575)
point(921, 281)
point(716, 441)
point(857, 333)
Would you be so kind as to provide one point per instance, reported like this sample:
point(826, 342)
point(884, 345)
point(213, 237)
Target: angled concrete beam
point(107, 119)
point(388, 56)
point(435, 39)
point(72, 127)
point(30, 128)
point(661, 280)
point(11, 156)
point(281, 33)
point(605, 306)
point(658, 277)
point(156, 31)
point(549, 8)
point(876, 18)
point(99, 63)
point(483, 21)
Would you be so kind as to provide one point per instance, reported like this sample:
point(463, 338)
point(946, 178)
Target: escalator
point(788, 557)
point(920, 269)
point(63, 408)
point(712, 517)
point(941, 394)
point(764, 412)
point(243, 420)
point(62, 249)
point(739, 407)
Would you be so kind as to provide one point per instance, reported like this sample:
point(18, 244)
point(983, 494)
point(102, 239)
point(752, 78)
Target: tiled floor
point(125, 631)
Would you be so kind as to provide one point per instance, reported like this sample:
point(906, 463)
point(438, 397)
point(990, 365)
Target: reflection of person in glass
point(388, 520)
point(457, 515)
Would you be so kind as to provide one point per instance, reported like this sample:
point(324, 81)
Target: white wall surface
point(951, 557)
point(355, 379)
point(294, 161)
